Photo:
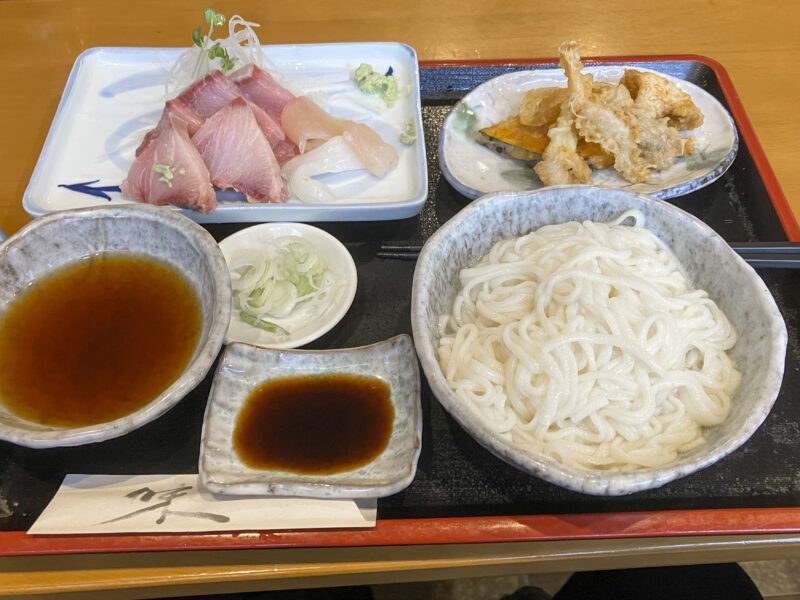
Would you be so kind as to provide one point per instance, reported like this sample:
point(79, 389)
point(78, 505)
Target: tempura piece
point(541, 106)
point(632, 125)
point(512, 139)
point(561, 163)
point(662, 98)
point(594, 154)
point(607, 115)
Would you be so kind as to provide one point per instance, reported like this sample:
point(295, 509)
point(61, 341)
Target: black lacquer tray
point(461, 492)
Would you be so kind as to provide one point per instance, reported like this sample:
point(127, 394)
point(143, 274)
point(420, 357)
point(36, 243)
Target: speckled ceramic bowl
point(244, 367)
point(61, 238)
point(711, 264)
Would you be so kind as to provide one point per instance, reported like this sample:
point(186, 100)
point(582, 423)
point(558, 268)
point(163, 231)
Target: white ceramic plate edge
point(554, 75)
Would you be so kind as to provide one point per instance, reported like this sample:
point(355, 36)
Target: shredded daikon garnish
point(275, 280)
point(240, 48)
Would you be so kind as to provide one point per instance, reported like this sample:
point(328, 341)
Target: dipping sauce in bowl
point(315, 425)
point(109, 316)
point(97, 339)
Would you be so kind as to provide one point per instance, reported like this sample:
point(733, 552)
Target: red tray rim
point(466, 530)
point(451, 530)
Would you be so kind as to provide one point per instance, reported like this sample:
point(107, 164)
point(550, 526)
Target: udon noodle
point(585, 342)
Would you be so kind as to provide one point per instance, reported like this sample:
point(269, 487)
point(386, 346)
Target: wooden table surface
point(756, 42)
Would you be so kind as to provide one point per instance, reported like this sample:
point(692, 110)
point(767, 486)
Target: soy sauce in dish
point(315, 425)
point(96, 340)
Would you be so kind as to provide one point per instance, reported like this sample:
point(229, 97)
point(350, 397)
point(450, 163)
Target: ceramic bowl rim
point(597, 483)
point(194, 372)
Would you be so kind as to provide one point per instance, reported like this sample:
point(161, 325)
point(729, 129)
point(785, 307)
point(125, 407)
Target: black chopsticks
point(769, 255)
point(760, 255)
point(401, 250)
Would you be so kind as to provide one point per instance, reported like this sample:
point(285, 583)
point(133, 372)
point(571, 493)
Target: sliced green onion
point(261, 323)
point(274, 281)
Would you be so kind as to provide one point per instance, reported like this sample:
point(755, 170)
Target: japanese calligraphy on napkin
point(177, 504)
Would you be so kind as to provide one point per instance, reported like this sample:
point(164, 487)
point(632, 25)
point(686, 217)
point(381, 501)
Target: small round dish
point(304, 324)
point(474, 170)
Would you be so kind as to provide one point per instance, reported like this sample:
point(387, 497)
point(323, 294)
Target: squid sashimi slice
point(170, 170)
point(211, 93)
point(308, 125)
point(378, 156)
point(238, 155)
point(334, 156)
point(177, 108)
point(260, 87)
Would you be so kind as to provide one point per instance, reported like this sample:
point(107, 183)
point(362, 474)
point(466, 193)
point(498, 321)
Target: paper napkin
point(103, 504)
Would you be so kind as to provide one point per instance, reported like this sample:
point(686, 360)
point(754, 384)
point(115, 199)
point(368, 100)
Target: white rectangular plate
point(115, 95)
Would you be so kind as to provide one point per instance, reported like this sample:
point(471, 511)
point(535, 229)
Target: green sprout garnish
point(214, 19)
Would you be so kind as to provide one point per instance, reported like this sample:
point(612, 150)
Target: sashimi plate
point(115, 95)
point(474, 169)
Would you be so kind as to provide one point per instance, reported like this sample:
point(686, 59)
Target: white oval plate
point(475, 170)
point(304, 325)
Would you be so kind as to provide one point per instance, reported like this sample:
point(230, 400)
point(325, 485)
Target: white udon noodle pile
point(584, 342)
